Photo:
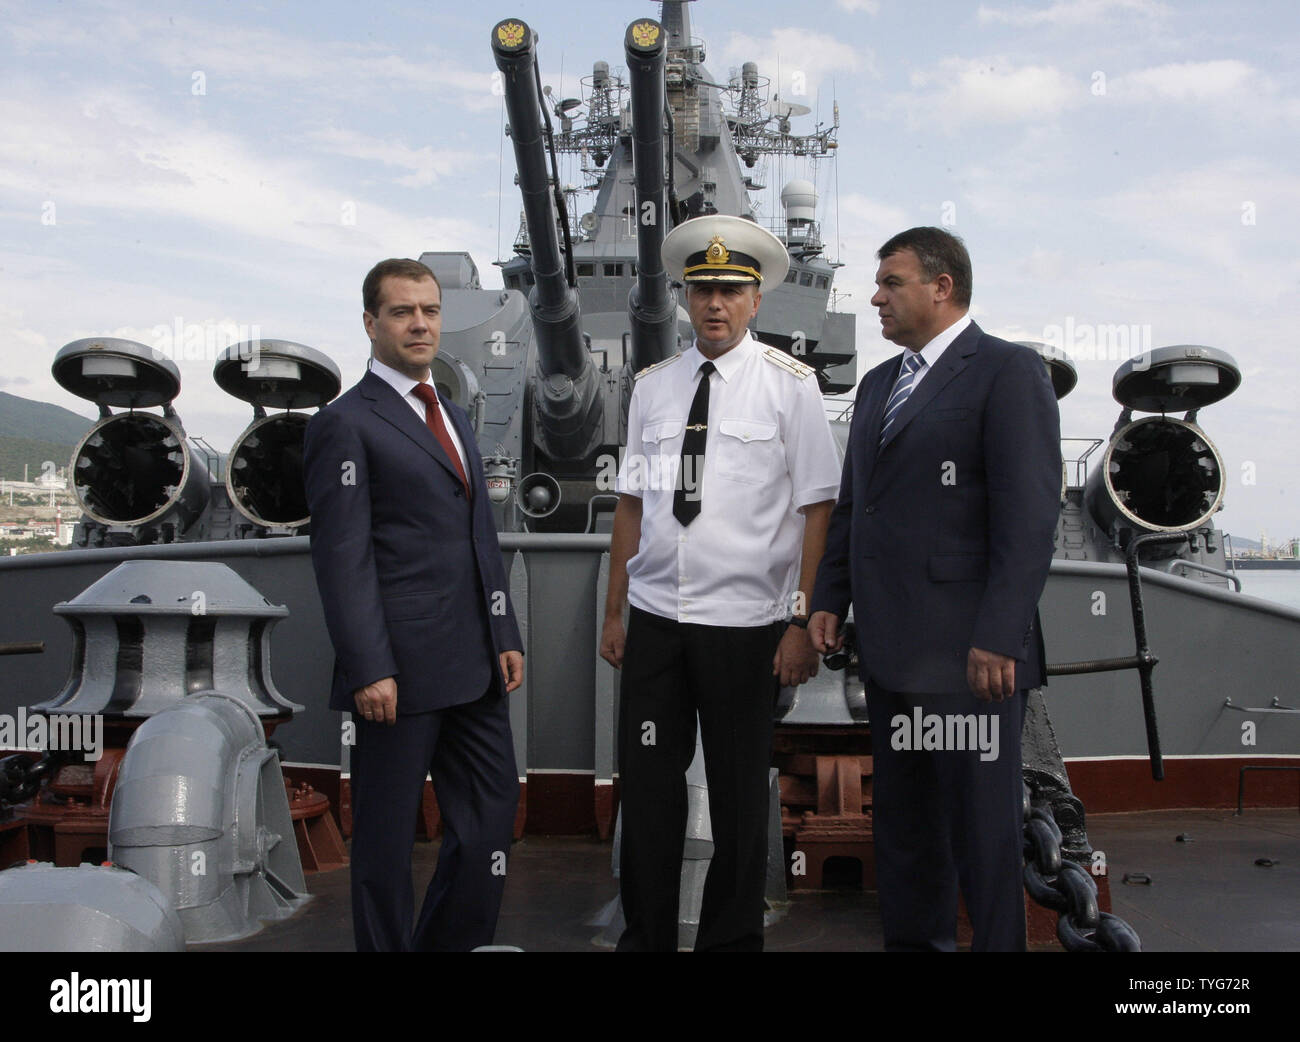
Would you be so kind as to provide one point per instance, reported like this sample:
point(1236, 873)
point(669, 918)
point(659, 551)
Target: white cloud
point(870, 6)
point(1045, 266)
point(198, 222)
point(1234, 92)
point(133, 157)
point(1228, 213)
point(864, 224)
point(1072, 13)
point(869, 218)
point(966, 90)
point(251, 60)
point(1030, 182)
point(1188, 81)
point(426, 164)
point(796, 60)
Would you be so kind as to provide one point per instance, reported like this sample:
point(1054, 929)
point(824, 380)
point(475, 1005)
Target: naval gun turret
point(565, 392)
point(587, 302)
point(565, 442)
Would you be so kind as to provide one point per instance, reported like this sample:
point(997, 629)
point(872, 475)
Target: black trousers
point(468, 752)
point(671, 672)
point(944, 819)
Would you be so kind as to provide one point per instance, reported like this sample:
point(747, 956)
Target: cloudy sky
point(1114, 165)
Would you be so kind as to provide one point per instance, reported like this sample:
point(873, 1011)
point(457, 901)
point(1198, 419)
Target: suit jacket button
point(460, 492)
point(868, 510)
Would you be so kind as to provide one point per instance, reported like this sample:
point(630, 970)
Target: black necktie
point(690, 473)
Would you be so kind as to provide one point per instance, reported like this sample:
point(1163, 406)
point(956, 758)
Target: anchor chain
point(21, 777)
point(1067, 888)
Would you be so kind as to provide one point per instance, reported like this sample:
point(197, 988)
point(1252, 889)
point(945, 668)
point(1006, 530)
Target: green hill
point(33, 432)
point(17, 452)
point(24, 418)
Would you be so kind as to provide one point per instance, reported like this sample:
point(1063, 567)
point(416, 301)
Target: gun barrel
point(652, 306)
point(557, 317)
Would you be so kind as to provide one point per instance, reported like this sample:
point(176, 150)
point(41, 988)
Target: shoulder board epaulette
point(791, 365)
point(657, 365)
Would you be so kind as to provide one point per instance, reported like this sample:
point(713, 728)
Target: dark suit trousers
point(468, 752)
point(672, 671)
point(944, 819)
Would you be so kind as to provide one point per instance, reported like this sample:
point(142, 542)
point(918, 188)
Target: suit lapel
point(388, 405)
point(951, 362)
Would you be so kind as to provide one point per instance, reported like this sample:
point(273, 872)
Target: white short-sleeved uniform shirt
point(769, 452)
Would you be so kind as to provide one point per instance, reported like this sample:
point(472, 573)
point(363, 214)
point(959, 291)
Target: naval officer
point(725, 491)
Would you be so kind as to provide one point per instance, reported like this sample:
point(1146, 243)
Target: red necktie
point(433, 417)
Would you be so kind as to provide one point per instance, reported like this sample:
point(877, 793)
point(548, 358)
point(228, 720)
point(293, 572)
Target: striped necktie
point(906, 380)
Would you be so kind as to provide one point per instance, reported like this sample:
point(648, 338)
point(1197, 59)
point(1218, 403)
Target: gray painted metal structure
point(90, 908)
point(199, 806)
point(148, 634)
point(201, 811)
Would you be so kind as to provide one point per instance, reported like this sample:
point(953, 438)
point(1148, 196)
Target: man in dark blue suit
point(942, 538)
point(425, 641)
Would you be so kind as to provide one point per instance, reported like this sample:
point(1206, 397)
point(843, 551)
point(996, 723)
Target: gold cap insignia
point(644, 34)
point(511, 34)
point(717, 253)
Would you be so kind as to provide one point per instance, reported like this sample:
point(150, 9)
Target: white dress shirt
point(403, 385)
point(936, 347)
point(769, 452)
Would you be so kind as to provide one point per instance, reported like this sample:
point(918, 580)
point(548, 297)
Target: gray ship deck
point(1206, 894)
